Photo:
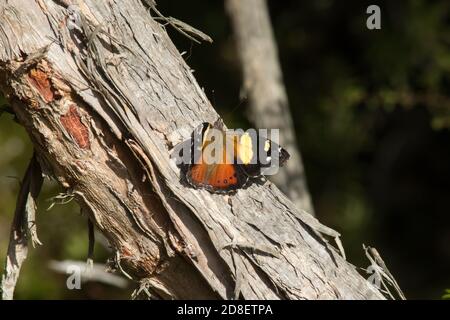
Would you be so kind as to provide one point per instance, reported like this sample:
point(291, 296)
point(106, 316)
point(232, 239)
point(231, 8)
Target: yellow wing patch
point(267, 146)
point(245, 148)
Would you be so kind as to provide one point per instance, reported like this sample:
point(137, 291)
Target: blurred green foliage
point(446, 295)
point(372, 114)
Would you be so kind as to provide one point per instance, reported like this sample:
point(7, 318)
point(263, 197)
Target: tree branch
point(103, 109)
point(263, 83)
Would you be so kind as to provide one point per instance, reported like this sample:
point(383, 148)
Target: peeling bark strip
point(23, 228)
point(72, 123)
point(115, 64)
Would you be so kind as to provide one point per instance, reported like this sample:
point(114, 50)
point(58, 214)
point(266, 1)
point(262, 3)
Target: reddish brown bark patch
point(72, 123)
point(39, 80)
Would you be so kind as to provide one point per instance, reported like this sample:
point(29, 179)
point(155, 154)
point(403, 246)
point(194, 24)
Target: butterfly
point(223, 161)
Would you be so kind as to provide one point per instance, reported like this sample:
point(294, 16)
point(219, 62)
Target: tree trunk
point(104, 96)
point(263, 83)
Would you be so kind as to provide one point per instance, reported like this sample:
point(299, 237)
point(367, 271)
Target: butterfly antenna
point(213, 92)
point(219, 118)
point(241, 101)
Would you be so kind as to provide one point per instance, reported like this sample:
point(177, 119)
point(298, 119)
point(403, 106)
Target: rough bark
point(263, 83)
point(104, 96)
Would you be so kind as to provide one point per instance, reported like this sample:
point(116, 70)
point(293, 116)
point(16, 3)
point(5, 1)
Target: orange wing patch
point(197, 173)
point(218, 176)
point(223, 176)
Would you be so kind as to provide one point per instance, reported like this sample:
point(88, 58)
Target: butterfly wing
point(225, 176)
point(240, 157)
point(258, 155)
point(217, 178)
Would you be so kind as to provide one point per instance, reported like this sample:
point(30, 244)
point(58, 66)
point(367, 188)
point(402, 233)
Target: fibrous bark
point(263, 83)
point(104, 96)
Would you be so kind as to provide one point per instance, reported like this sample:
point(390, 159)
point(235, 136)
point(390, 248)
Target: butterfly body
point(223, 161)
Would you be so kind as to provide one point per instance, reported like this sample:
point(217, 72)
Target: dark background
point(372, 114)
